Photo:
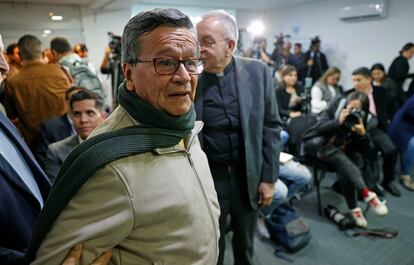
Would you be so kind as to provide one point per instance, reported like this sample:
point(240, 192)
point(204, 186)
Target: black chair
point(296, 129)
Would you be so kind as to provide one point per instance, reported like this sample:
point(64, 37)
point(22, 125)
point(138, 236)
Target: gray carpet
point(330, 246)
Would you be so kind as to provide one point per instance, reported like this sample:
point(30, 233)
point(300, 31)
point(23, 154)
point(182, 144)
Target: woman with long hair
point(380, 79)
point(325, 90)
point(288, 93)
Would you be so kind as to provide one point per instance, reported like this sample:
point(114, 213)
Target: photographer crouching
point(339, 141)
point(111, 65)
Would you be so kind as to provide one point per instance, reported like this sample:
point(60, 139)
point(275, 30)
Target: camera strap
point(386, 233)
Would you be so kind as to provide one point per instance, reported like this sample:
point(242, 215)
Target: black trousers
point(382, 142)
point(347, 166)
point(230, 183)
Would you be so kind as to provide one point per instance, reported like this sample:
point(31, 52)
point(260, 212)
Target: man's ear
point(104, 114)
point(127, 69)
point(231, 45)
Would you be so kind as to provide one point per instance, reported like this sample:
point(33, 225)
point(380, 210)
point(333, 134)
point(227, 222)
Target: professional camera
point(115, 45)
point(353, 118)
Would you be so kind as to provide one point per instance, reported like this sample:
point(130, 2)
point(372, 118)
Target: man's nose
point(181, 75)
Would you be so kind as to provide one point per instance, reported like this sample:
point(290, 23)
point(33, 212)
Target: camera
point(115, 45)
point(344, 222)
point(353, 118)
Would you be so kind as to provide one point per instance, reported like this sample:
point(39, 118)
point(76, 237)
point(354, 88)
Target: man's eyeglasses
point(168, 66)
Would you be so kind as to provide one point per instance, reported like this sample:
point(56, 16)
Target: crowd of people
point(197, 137)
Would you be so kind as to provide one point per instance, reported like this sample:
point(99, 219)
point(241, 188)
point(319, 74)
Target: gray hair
point(144, 23)
point(30, 47)
point(228, 21)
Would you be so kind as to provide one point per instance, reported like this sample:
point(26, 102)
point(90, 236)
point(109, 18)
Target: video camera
point(115, 46)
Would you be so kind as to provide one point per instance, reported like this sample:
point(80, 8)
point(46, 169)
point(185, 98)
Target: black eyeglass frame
point(154, 61)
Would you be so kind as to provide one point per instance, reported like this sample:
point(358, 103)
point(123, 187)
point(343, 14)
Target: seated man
point(377, 96)
point(56, 129)
point(87, 112)
point(292, 177)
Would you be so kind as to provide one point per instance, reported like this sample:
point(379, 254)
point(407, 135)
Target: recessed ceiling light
point(44, 35)
point(56, 18)
point(47, 31)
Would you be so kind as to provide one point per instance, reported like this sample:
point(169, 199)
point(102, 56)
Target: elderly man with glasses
point(236, 101)
point(140, 184)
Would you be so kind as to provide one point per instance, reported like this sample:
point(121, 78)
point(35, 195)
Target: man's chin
point(178, 110)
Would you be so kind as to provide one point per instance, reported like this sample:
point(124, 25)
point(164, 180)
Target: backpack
point(83, 77)
point(287, 230)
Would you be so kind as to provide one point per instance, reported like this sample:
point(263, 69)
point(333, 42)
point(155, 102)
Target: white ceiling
point(123, 4)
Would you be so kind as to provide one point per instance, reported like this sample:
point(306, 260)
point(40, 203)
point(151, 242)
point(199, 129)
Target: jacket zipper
point(190, 160)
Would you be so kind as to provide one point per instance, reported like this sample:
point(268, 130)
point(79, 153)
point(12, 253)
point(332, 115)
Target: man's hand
point(295, 114)
point(266, 192)
point(343, 115)
point(75, 253)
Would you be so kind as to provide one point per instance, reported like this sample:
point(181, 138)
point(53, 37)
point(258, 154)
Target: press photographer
point(111, 65)
point(340, 142)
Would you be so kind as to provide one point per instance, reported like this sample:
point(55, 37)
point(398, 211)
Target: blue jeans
point(284, 138)
point(292, 177)
point(408, 158)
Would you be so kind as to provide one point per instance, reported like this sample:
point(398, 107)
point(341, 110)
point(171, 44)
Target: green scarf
point(159, 130)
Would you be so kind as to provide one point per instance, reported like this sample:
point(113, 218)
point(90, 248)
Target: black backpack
point(287, 230)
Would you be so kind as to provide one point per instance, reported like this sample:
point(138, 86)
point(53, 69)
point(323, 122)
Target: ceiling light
point(56, 18)
point(256, 28)
point(44, 35)
point(47, 31)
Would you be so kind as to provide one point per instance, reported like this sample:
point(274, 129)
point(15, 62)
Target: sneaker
point(407, 182)
point(379, 206)
point(262, 229)
point(359, 217)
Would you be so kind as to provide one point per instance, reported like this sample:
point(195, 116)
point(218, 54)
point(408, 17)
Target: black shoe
point(392, 189)
point(378, 189)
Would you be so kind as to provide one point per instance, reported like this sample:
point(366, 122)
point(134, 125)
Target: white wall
point(96, 27)
point(347, 45)
point(19, 19)
point(95, 31)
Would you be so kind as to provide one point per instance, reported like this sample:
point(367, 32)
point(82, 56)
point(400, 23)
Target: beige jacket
point(154, 208)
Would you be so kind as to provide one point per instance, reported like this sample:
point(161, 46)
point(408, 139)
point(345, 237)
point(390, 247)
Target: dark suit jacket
point(57, 153)
point(381, 104)
point(18, 206)
point(260, 122)
point(317, 70)
point(51, 131)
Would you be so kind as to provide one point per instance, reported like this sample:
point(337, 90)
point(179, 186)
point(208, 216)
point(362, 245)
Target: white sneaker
point(262, 229)
point(379, 206)
point(359, 217)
